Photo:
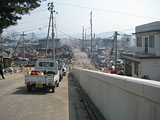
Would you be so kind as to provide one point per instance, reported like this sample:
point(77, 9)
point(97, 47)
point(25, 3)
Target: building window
point(136, 68)
point(151, 41)
point(139, 41)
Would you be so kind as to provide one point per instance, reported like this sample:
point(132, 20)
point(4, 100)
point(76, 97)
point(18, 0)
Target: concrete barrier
point(121, 97)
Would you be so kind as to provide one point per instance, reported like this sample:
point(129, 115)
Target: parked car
point(21, 61)
point(64, 69)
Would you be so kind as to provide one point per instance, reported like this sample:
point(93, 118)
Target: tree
point(12, 10)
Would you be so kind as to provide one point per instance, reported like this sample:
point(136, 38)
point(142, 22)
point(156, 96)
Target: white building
point(145, 62)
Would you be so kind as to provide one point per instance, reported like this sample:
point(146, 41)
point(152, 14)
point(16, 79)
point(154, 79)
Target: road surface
point(81, 60)
point(17, 104)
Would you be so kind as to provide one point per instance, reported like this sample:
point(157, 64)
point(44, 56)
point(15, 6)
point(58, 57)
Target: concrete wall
point(151, 68)
point(133, 70)
point(121, 97)
point(157, 44)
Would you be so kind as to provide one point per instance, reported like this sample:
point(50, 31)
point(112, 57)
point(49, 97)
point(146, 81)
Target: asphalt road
point(17, 104)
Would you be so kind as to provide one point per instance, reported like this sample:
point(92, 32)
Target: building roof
point(154, 26)
point(147, 31)
point(142, 56)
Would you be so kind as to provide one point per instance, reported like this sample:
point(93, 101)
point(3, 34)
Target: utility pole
point(112, 49)
point(116, 51)
point(85, 38)
point(24, 45)
point(1, 50)
point(48, 34)
point(14, 53)
point(105, 45)
point(82, 38)
point(51, 9)
point(32, 37)
point(94, 36)
point(91, 30)
point(56, 23)
point(53, 42)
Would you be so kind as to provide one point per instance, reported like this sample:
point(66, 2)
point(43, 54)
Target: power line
point(72, 31)
point(35, 12)
point(30, 27)
point(105, 10)
point(17, 33)
point(35, 29)
point(32, 21)
point(126, 30)
point(66, 34)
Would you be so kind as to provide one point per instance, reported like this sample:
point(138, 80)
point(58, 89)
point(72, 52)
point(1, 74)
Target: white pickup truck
point(45, 75)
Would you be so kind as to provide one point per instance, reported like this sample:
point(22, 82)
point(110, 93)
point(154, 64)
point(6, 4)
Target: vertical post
point(23, 47)
point(91, 30)
point(53, 34)
point(106, 45)
point(50, 8)
point(85, 37)
point(48, 35)
point(94, 39)
point(2, 44)
point(116, 51)
point(82, 38)
point(32, 37)
point(56, 23)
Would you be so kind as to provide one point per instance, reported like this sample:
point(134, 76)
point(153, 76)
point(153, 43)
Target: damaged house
point(145, 62)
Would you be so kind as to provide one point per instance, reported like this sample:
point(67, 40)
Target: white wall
point(156, 49)
point(150, 50)
point(121, 97)
point(157, 44)
point(151, 67)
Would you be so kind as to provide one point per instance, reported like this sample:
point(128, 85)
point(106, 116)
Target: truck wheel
point(60, 78)
point(53, 89)
point(57, 84)
point(29, 88)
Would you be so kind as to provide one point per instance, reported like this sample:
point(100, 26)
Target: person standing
point(1, 69)
point(113, 70)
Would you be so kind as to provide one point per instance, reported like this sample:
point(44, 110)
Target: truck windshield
point(46, 64)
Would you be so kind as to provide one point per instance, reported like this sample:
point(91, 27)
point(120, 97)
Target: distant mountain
point(40, 35)
point(79, 36)
point(99, 35)
point(104, 34)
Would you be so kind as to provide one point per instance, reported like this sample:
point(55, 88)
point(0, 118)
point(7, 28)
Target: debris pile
point(101, 60)
point(65, 53)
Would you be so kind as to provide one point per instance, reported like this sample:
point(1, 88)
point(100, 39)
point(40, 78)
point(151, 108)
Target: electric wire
point(30, 27)
point(28, 30)
point(65, 34)
point(105, 10)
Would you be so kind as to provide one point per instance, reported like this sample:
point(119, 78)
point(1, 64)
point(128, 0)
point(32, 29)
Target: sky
point(107, 15)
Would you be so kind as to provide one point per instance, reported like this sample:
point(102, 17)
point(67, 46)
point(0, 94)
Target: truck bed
point(35, 79)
